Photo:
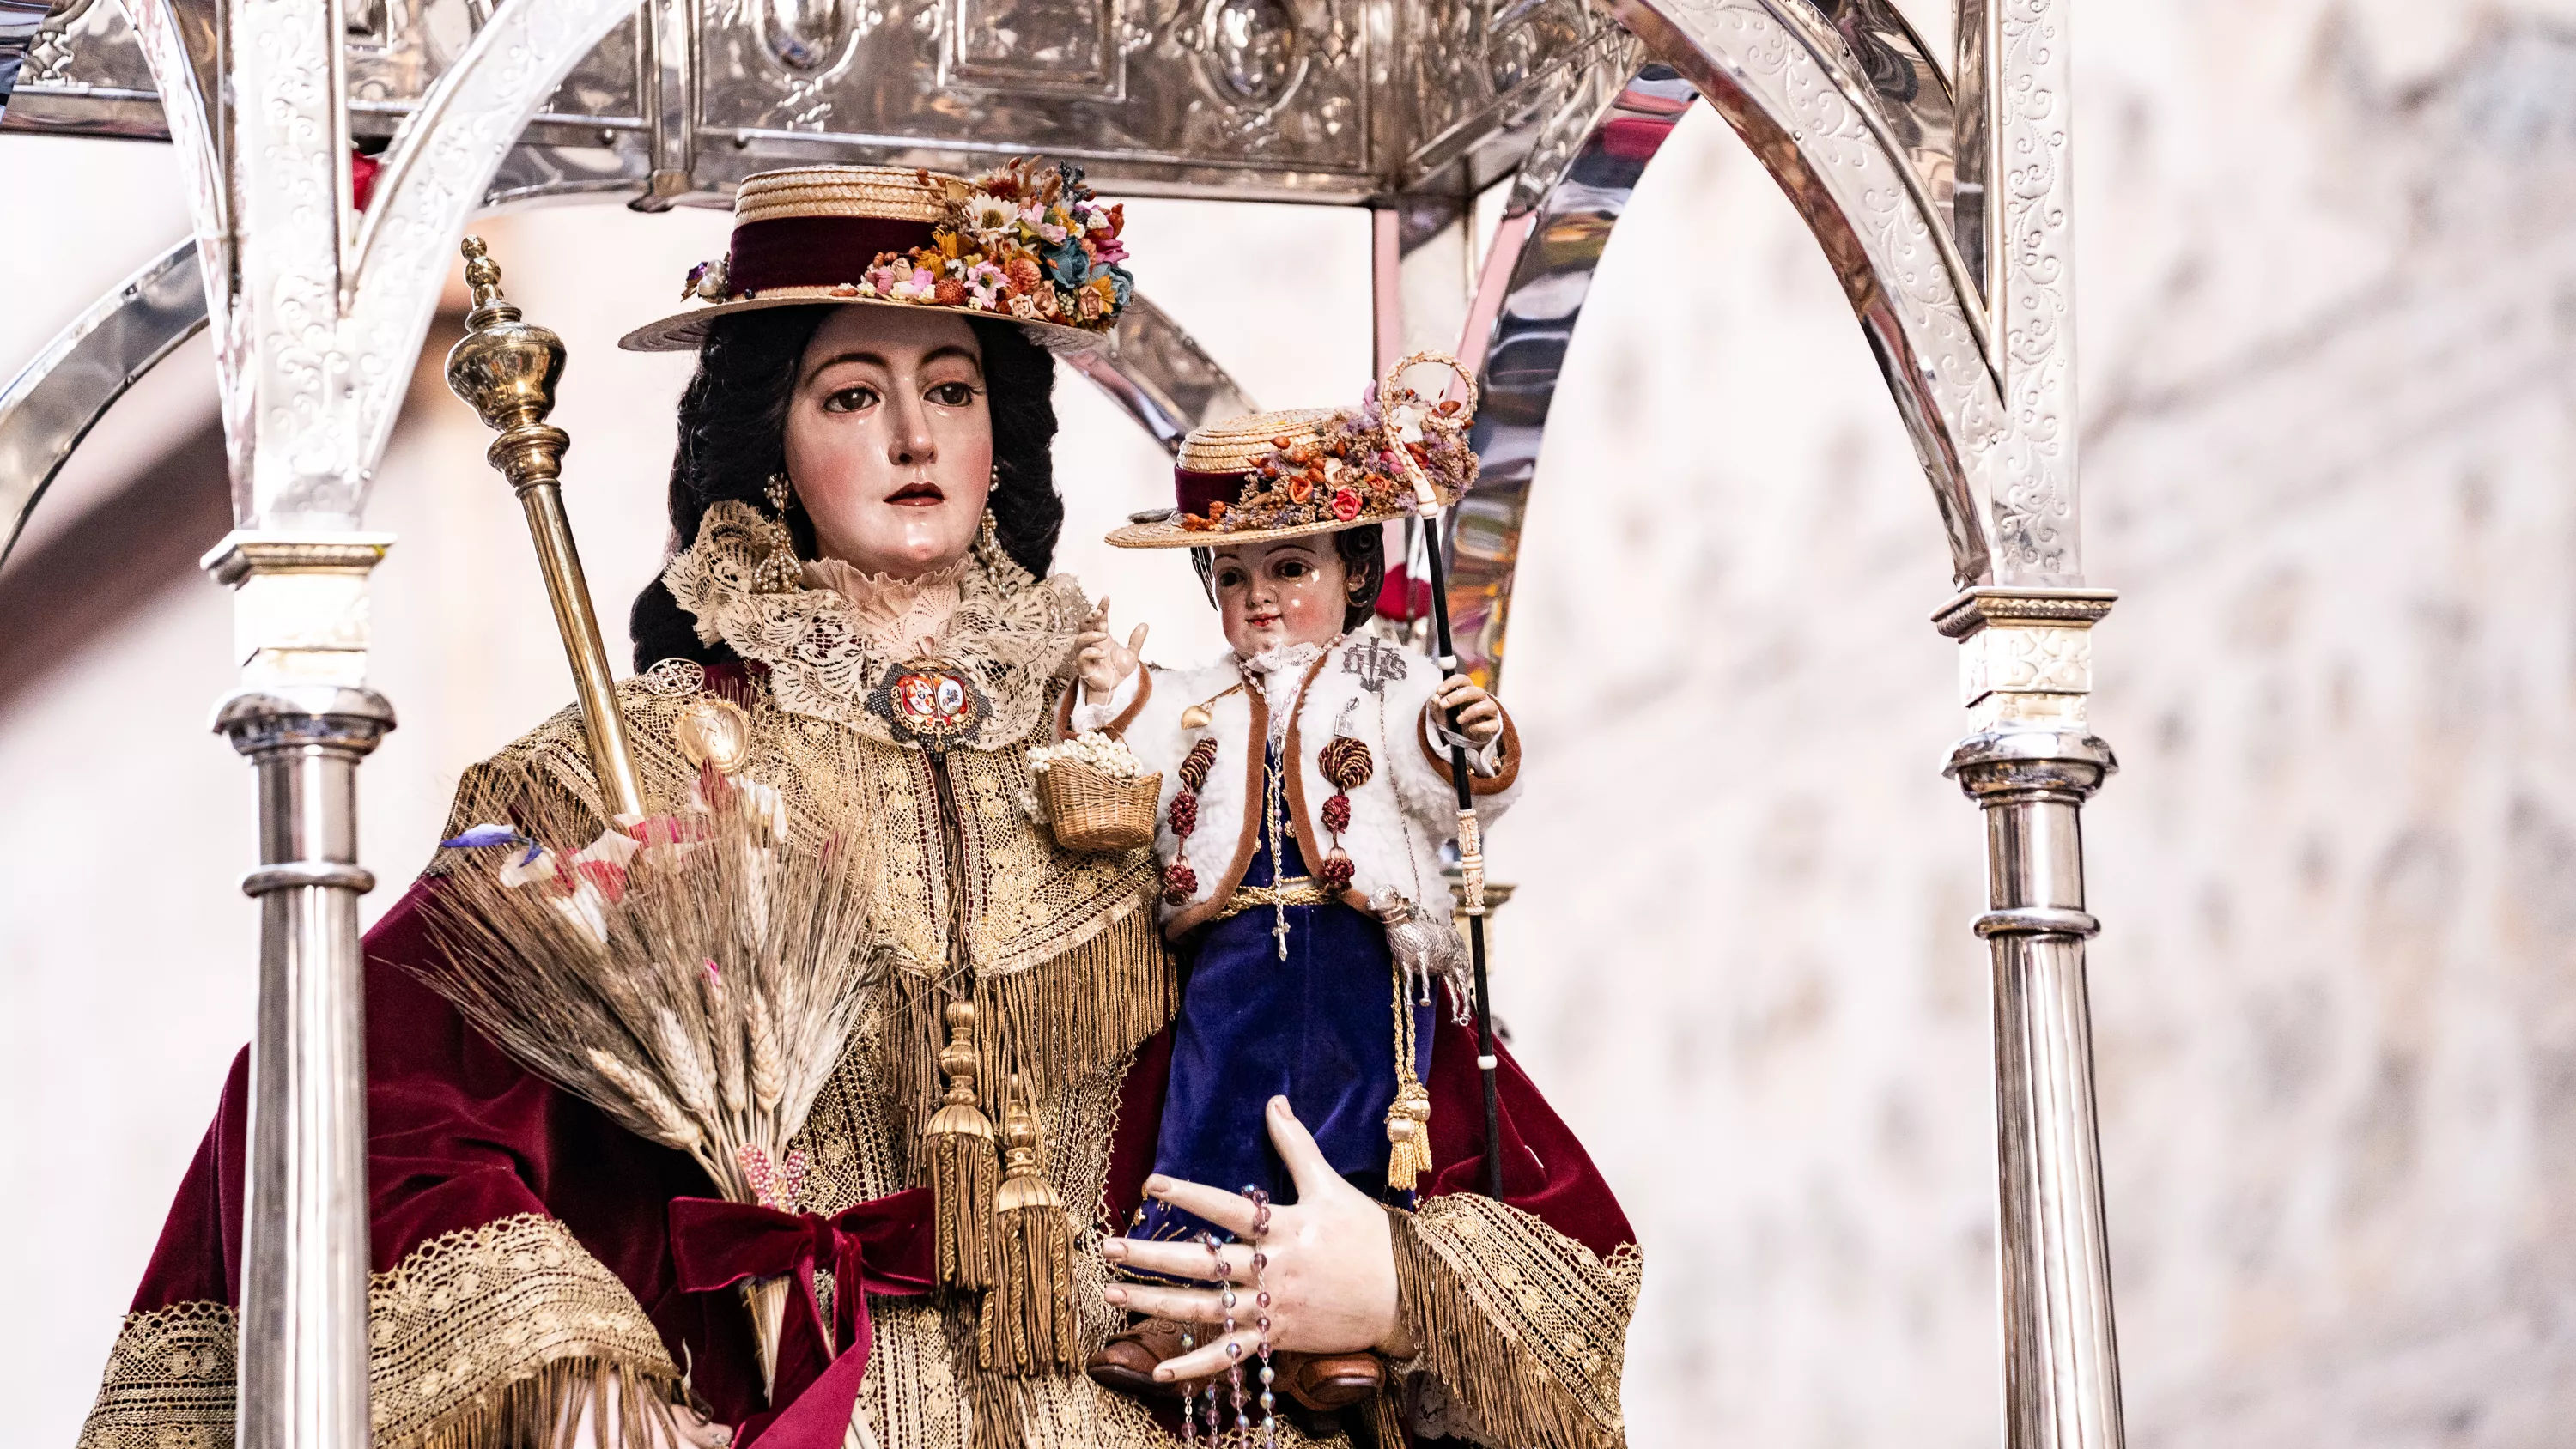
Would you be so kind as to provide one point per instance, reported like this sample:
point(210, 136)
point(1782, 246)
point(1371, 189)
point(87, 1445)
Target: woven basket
point(1097, 812)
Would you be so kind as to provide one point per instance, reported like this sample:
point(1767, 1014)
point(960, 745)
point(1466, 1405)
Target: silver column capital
point(337, 718)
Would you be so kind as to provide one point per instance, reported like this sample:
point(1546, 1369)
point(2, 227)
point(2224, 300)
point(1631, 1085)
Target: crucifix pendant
point(1280, 929)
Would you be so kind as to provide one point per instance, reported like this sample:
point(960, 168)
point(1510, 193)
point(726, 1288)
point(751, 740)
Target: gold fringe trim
point(466, 1321)
point(1050, 1024)
point(1384, 1416)
point(169, 1382)
point(545, 1409)
point(1523, 1324)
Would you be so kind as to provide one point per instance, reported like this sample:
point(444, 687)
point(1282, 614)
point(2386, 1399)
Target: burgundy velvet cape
point(460, 1135)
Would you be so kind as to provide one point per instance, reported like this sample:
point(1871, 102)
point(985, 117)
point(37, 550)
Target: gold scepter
point(506, 370)
point(702, 998)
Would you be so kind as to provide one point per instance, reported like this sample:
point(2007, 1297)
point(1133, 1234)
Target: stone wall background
point(2328, 319)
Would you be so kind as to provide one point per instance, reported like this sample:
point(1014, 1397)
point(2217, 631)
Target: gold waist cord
point(1296, 890)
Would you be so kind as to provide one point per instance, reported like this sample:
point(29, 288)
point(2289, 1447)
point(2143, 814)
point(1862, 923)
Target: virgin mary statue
point(864, 485)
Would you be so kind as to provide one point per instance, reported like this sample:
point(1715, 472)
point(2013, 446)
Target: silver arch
point(1789, 84)
point(63, 391)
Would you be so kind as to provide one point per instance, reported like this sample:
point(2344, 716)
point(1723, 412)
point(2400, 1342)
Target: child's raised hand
point(1101, 662)
point(1479, 717)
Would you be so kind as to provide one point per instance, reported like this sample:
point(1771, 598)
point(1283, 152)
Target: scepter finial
point(483, 279)
point(506, 368)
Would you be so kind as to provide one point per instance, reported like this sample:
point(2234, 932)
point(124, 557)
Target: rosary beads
point(1196, 1410)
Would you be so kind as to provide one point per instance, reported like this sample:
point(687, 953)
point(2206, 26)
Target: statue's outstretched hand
point(1329, 1265)
point(1101, 662)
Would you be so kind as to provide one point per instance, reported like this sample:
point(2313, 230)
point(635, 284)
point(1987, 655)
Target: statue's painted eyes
point(1229, 578)
point(952, 394)
point(1294, 568)
point(851, 400)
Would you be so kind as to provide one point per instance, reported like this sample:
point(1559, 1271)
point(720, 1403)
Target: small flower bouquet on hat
point(1098, 795)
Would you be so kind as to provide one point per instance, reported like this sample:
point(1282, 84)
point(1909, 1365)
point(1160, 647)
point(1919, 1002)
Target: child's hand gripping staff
point(1402, 412)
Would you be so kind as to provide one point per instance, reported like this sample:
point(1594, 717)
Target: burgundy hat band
point(815, 251)
point(1195, 491)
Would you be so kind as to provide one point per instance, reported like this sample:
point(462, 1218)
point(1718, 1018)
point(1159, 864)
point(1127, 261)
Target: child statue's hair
point(733, 437)
point(1363, 555)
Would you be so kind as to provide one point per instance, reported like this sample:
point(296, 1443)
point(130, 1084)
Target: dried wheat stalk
point(699, 993)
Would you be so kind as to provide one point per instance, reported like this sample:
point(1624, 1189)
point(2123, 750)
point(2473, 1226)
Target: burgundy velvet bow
point(883, 1246)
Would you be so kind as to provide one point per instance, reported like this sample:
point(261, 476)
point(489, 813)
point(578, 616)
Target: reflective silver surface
point(2016, 153)
point(1318, 99)
point(61, 392)
point(1522, 321)
point(19, 21)
point(305, 1238)
point(1161, 377)
point(2026, 671)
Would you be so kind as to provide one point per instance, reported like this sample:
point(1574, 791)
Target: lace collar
point(1010, 632)
point(903, 617)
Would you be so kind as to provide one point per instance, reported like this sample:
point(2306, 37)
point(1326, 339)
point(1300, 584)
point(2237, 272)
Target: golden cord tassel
point(958, 1165)
point(1408, 1118)
point(1028, 1326)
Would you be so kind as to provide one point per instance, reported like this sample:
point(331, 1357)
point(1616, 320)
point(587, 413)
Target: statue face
point(1287, 591)
point(890, 439)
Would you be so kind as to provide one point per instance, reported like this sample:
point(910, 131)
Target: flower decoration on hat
point(1312, 470)
point(1027, 242)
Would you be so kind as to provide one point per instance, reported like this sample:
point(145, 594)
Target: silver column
point(305, 720)
point(2030, 763)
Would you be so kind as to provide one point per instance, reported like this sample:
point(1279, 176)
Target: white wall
point(2328, 292)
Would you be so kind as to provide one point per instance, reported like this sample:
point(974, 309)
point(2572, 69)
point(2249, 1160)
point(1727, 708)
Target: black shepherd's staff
point(1471, 850)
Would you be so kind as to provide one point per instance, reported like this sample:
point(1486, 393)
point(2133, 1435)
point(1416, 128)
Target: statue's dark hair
point(1363, 554)
point(733, 426)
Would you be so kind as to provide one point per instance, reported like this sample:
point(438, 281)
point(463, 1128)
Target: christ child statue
point(1306, 797)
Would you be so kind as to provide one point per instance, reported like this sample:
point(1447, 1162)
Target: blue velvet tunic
point(1317, 1028)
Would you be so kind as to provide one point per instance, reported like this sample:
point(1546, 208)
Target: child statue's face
point(1289, 591)
point(890, 440)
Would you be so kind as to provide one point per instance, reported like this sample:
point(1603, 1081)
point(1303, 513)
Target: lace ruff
point(902, 617)
point(1012, 632)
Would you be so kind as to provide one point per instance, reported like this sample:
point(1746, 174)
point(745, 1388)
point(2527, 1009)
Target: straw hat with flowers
point(1311, 470)
point(1027, 242)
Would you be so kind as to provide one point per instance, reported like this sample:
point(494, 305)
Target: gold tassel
point(1058, 1022)
point(1408, 1128)
point(956, 1162)
point(1028, 1326)
point(1408, 1117)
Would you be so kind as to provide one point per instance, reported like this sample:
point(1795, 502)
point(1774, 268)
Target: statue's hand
point(1330, 1264)
point(1479, 717)
point(1100, 661)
